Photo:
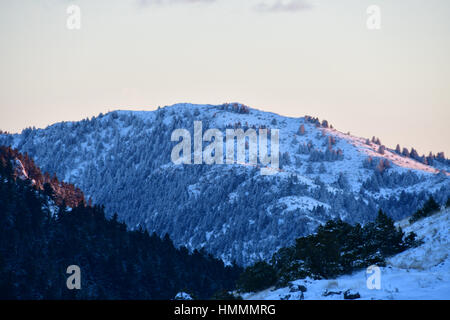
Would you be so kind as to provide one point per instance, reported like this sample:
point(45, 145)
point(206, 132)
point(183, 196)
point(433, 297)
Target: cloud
point(283, 6)
point(261, 6)
point(145, 3)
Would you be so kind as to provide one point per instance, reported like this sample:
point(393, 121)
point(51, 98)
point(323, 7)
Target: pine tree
point(405, 152)
point(301, 130)
point(257, 277)
point(430, 207)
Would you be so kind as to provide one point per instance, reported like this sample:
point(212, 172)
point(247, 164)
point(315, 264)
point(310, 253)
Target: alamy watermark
point(241, 147)
point(373, 281)
point(374, 17)
point(74, 17)
point(74, 280)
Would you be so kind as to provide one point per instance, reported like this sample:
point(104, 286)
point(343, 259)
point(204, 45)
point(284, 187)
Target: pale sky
point(292, 57)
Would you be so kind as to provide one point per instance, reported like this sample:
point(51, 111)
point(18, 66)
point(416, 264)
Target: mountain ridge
point(231, 210)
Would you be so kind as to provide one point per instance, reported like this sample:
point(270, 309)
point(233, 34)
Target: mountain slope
point(421, 273)
point(24, 168)
point(123, 159)
point(38, 244)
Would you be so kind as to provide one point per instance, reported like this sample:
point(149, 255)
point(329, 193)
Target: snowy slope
point(122, 160)
point(418, 274)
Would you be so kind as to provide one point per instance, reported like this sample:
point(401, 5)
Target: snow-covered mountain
point(421, 273)
point(123, 160)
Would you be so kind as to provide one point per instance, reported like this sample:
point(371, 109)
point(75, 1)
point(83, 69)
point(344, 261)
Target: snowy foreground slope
point(419, 273)
point(123, 160)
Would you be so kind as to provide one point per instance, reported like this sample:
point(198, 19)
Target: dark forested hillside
point(39, 240)
point(23, 167)
point(123, 160)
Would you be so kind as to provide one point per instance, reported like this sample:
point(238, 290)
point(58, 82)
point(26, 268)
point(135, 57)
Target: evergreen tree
point(301, 130)
point(257, 277)
point(430, 207)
